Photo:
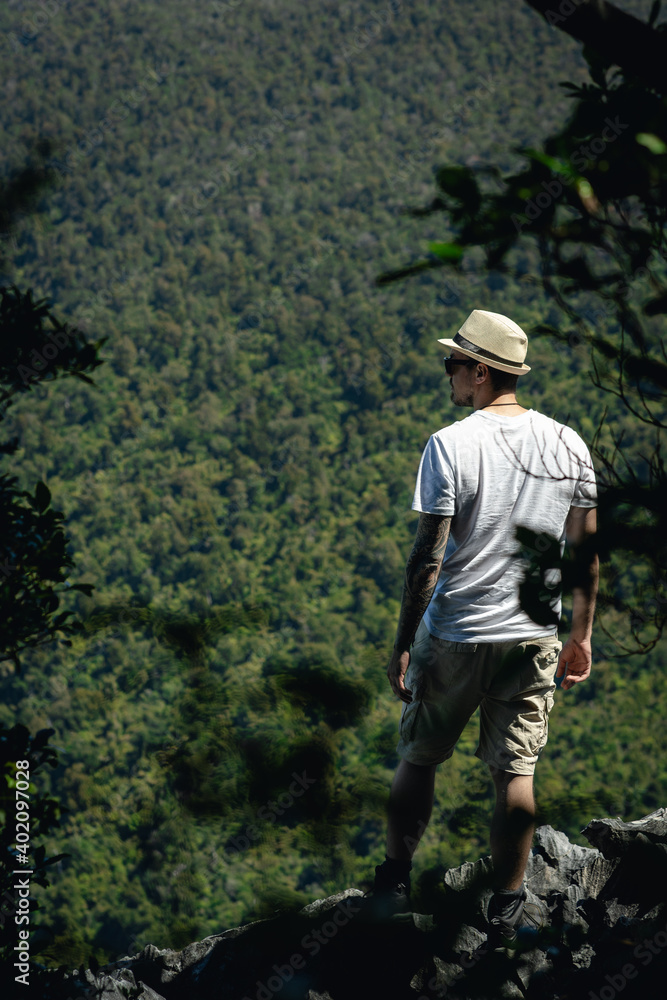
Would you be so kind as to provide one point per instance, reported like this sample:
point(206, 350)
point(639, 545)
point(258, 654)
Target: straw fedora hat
point(494, 339)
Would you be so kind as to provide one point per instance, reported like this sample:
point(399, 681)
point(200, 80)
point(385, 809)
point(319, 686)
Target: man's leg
point(512, 827)
point(410, 806)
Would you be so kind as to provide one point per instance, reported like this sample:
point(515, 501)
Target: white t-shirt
point(492, 472)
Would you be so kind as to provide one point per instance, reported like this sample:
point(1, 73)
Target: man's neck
point(504, 404)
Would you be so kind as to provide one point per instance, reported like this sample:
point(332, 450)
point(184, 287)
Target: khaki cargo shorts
point(512, 683)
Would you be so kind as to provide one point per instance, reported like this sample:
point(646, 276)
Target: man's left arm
point(575, 660)
point(421, 576)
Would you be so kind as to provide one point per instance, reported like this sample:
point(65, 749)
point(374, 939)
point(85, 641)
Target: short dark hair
point(502, 380)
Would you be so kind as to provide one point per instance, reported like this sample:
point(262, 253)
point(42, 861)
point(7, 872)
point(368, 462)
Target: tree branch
point(619, 37)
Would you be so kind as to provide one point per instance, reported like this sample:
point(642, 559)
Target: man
point(463, 640)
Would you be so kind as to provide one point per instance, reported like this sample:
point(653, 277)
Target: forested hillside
point(238, 481)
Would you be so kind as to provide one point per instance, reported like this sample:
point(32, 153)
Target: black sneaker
point(387, 898)
point(510, 913)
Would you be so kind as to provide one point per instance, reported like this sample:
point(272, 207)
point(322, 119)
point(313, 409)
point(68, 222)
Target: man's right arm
point(574, 662)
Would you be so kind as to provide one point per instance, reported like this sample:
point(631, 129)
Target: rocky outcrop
point(607, 938)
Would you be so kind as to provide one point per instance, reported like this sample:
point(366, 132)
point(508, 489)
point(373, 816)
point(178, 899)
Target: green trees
point(35, 347)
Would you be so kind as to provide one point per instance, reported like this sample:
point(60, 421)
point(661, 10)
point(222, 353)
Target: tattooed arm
point(421, 575)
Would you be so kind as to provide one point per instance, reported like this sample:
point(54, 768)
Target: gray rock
point(469, 874)
point(602, 901)
point(318, 906)
point(583, 956)
point(564, 907)
point(559, 854)
point(613, 837)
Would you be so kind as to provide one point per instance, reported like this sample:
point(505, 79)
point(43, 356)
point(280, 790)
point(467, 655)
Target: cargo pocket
point(548, 654)
point(409, 716)
point(540, 737)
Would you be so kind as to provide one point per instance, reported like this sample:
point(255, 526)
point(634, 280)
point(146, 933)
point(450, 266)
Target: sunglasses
point(450, 362)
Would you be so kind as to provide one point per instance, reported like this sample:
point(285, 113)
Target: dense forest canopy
point(230, 180)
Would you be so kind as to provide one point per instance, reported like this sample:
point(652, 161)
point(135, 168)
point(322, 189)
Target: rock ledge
point(608, 938)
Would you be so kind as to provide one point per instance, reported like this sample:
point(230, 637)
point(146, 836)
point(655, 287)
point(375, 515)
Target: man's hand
point(396, 671)
point(575, 662)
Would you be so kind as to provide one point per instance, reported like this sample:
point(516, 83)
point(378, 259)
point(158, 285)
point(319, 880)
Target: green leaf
point(42, 738)
point(56, 858)
point(556, 166)
point(447, 251)
point(459, 183)
point(566, 85)
point(584, 188)
point(655, 10)
point(85, 588)
point(657, 305)
point(644, 368)
point(652, 143)
point(42, 496)
point(404, 272)
point(597, 65)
